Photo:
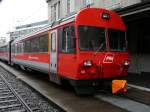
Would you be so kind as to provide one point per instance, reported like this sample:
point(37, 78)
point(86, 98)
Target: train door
point(53, 56)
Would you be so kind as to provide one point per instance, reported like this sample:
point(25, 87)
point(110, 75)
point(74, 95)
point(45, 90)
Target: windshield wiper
point(99, 48)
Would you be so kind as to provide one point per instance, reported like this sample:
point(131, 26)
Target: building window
point(68, 7)
point(59, 10)
point(53, 16)
point(87, 2)
point(55, 11)
point(84, 2)
point(52, 10)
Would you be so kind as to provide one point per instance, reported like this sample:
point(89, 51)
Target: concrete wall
point(79, 4)
point(138, 42)
point(126, 3)
point(133, 35)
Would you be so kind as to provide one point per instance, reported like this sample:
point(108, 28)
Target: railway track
point(134, 100)
point(10, 100)
point(16, 96)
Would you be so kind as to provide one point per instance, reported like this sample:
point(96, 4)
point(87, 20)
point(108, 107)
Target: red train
point(85, 50)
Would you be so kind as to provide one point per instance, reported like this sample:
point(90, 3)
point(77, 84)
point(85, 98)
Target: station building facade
point(25, 29)
point(135, 13)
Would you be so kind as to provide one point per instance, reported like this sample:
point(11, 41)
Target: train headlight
point(87, 63)
point(106, 16)
point(126, 63)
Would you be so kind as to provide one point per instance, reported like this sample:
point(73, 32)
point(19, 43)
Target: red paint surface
point(93, 17)
point(71, 65)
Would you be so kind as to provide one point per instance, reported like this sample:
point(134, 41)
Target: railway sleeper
point(12, 100)
point(10, 106)
point(8, 97)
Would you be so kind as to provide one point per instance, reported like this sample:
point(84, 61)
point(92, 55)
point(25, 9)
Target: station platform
point(142, 80)
point(134, 101)
point(64, 98)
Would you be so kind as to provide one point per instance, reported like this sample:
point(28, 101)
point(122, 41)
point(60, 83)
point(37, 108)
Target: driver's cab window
point(68, 40)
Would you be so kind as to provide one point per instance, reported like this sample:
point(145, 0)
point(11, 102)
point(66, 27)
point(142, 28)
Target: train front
point(102, 51)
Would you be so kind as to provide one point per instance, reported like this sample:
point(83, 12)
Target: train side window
point(68, 40)
point(13, 48)
point(27, 46)
point(53, 42)
point(17, 49)
point(22, 47)
point(44, 43)
point(35, 44)
point(1, 49)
